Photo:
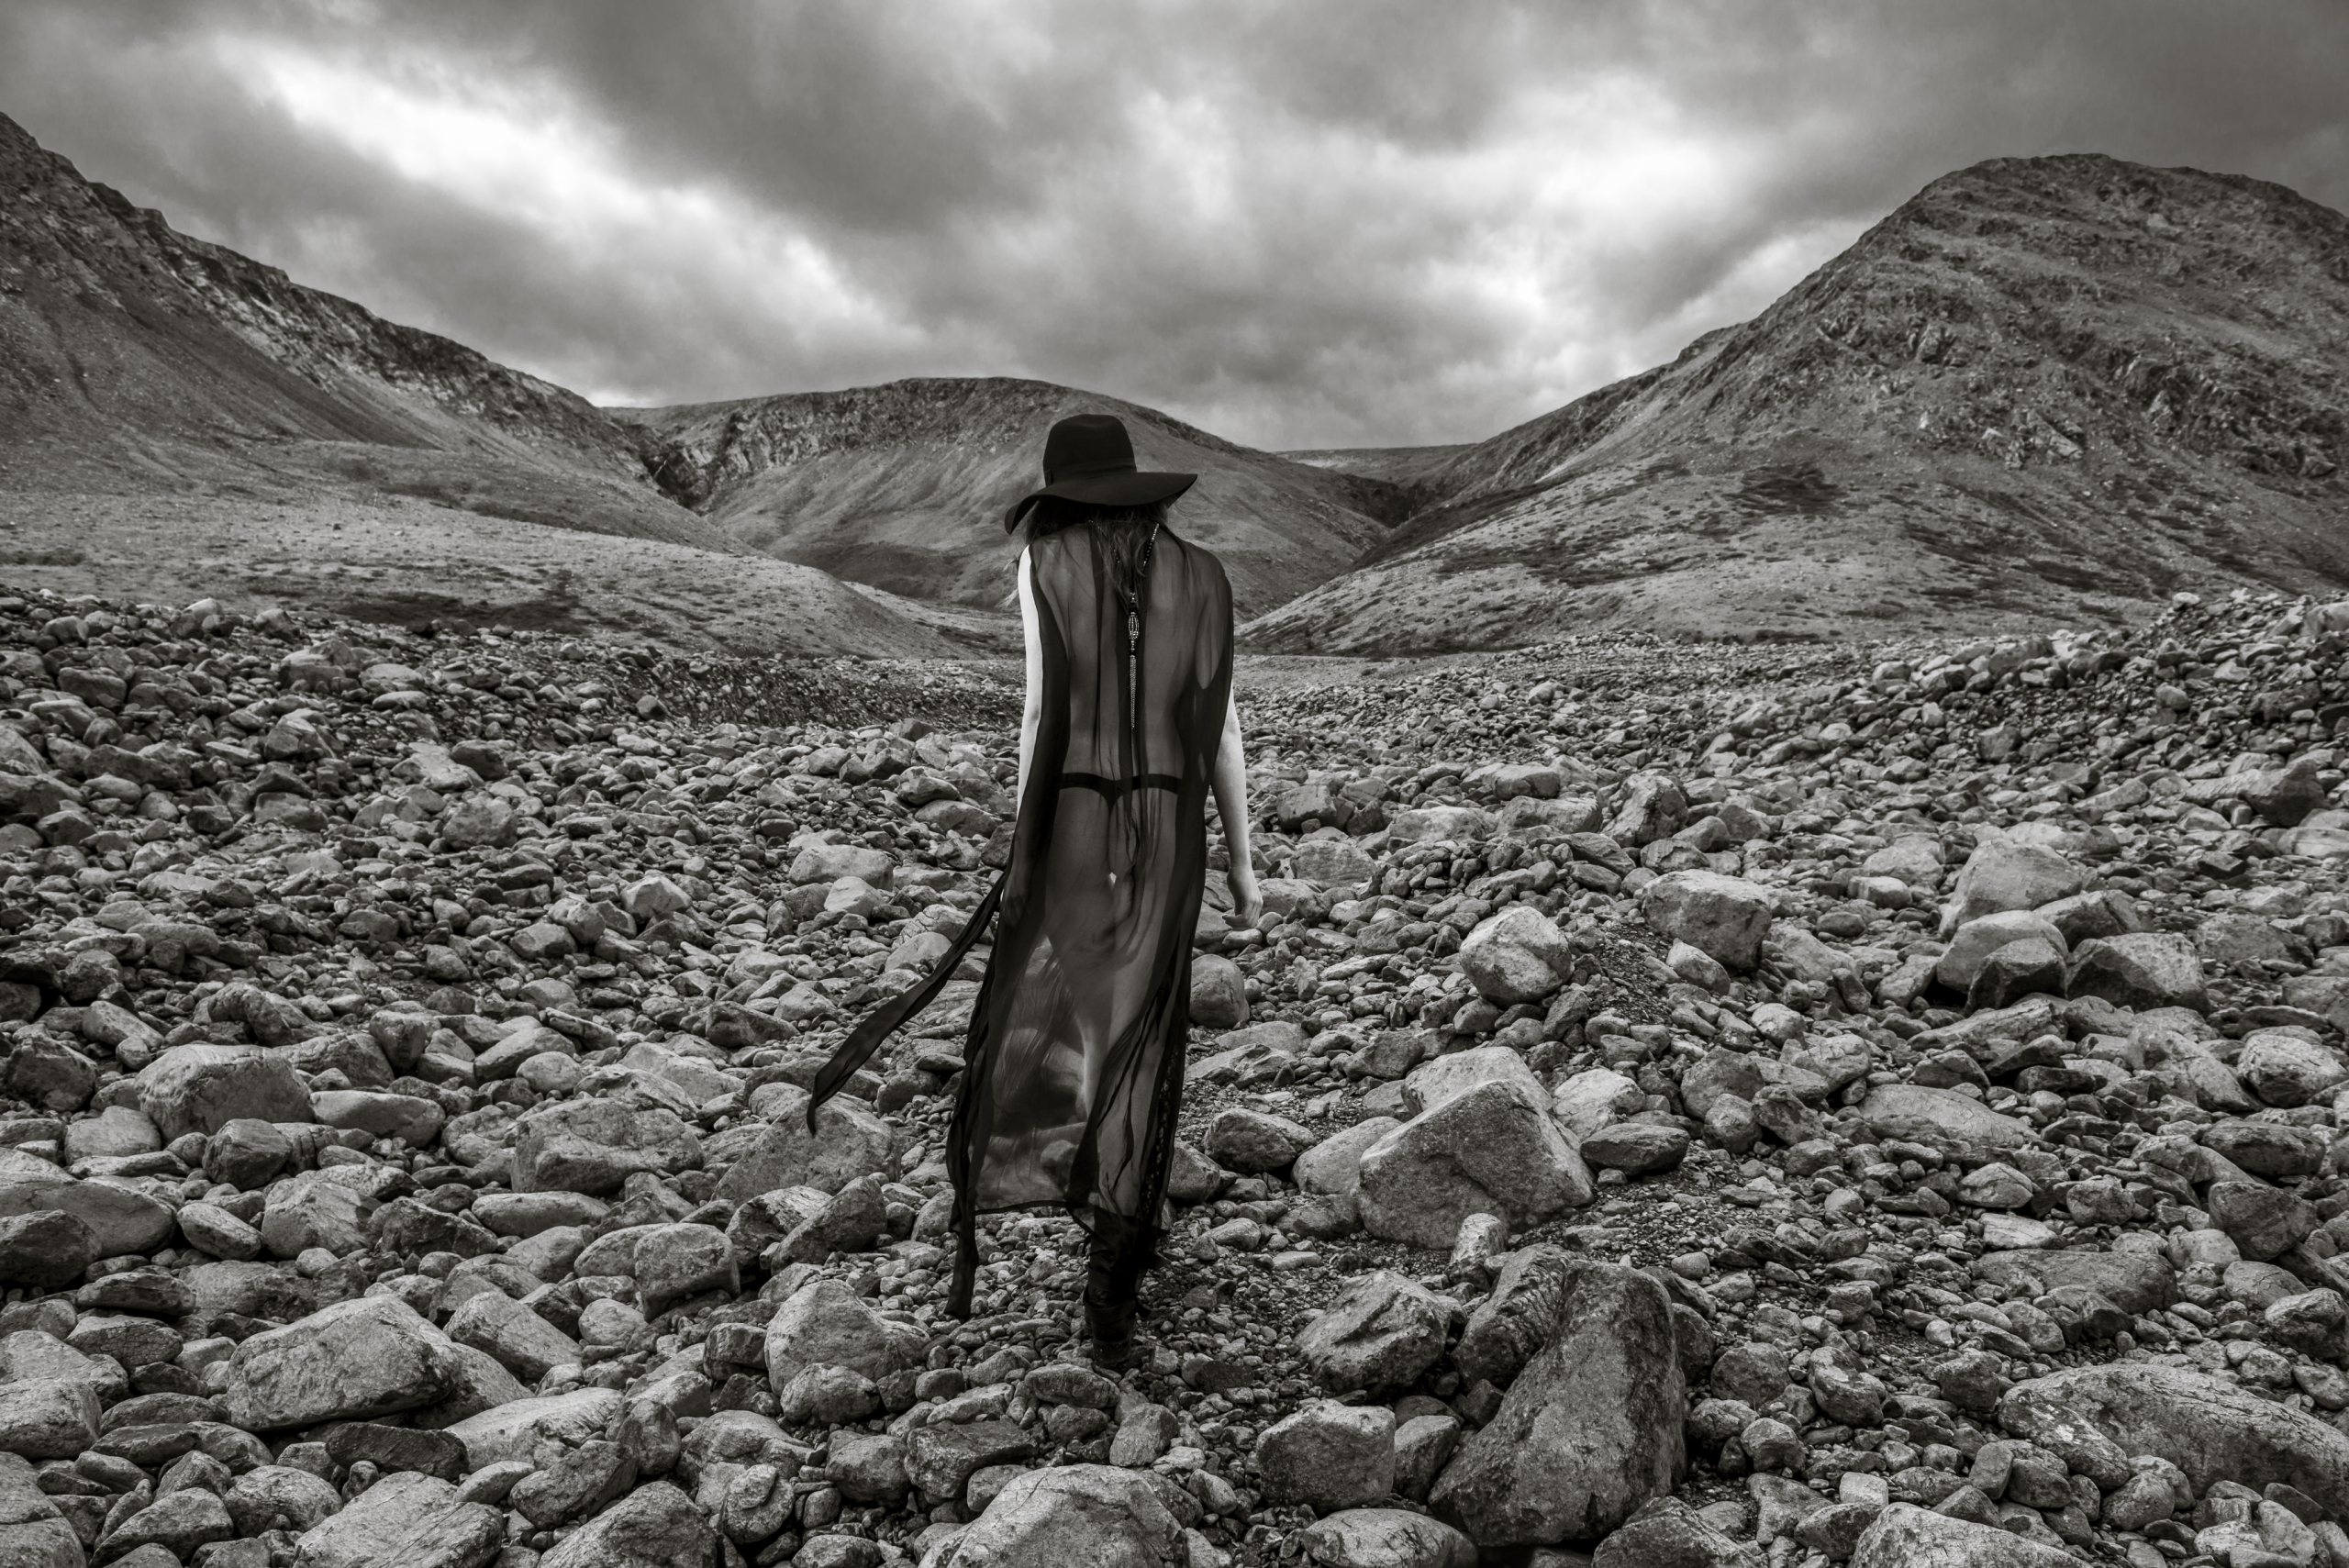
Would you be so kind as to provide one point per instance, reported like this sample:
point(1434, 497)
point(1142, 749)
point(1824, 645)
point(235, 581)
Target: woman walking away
point(1077, 1037)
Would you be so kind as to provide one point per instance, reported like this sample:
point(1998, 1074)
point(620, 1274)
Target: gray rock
point(1219, 991)
point(1668, 1533)
point(1518, 955)
point(247, 1152)
point(1511, 1324)
point(516, 1337)
point(1942, 1119)
point(1329, 1456)
point(1595, 1097)
point(2263, 1222)
point(178, 1522)
point(848, 1141)
point(535, 1431)
point(1723, 916)
point(2002, 874)
point(1491, 1151)
point(655, 1526)
point(1975, 941)
point(316, 1209)
point(405, 1517)
point(1070, 1514)
point(591, 1146)
point(2286, 1068)
point(1636, 1148)
point(1382, 1330)
point(868, 1469)
point(1590, 1430)
point(47, 1417)
point(2141, 970)
point(202, 1087)
point(2211, 1430)
point(1385, 1538)
point(940, 1458)
point(1333, 1166)
point(371, 1356)
point(1448, 1077)
point(827, 1395)
point(1253, 1141)
point(260, 1494)
point(45, 1249)
point(1423, 1446)
point(1908, 1537)
point(823, 1324)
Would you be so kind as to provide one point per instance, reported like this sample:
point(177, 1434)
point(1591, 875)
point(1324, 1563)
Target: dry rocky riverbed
point(1685, 1105)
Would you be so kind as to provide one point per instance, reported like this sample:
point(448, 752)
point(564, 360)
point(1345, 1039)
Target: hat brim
point(1129, 488)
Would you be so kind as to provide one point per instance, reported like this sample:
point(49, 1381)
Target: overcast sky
point(1294, 222)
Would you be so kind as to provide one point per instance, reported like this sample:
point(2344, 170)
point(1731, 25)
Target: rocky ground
point(1691, 1106)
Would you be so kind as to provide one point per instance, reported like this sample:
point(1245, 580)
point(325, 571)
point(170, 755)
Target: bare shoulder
point(1203, 561)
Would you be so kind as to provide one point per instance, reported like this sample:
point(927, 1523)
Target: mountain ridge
point(2041, 386)
point(903, 485)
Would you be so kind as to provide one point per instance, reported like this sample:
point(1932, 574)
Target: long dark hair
point(1124, 531)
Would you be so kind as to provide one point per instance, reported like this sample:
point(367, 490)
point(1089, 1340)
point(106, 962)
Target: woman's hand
point(1247, 898)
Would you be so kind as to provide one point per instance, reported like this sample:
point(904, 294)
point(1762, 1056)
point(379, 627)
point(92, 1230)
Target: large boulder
point(1590, 1430)
point(593, 1145)
point(1593, 1097)
point(1976, 940)
point(653, 1526)
point(848, 1141)
point(354, 1360)
point(1510, 1326)
point(1941, 1118)
point(1493, 1149)
point(1383, 1331)
point(536, 1431)
point(1070, 1514)
point(47, 1417)
point(2002, 874)
point(1329, 1456)
point(405, 1517)
point(2285, 1068)
point(825, 1324)
point(2283, 797)
point(1905, 1536)
point(201, 1087)
point(1431, 1083)
point(1431, 824)
point(1388, 1537)
point(1725, 917)
point(1518, 955)
point(2211, 1430)
point(2134, 1281)
point(121, 1218)
point(2141, 970)
point(1333, 1166)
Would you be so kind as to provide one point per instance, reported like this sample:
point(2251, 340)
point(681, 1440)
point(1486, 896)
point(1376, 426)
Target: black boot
point(1112, 1290)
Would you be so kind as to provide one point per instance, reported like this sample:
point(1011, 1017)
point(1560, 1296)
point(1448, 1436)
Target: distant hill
point(179, 416)
point(904, 486)
point(2042, 388)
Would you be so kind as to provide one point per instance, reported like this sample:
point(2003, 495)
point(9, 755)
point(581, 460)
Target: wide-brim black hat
point(1089, 458)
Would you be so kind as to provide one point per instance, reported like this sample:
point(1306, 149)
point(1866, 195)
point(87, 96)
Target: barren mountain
point(185, 421)
point(2042, 387)
point(904, 486)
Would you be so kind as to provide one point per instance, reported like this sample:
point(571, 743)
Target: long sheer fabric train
point(1074, 1064)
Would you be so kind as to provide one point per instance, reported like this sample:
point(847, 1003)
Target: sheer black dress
point(1077, 1036)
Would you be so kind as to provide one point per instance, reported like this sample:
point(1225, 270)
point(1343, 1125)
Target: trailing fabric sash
point(885, 1019)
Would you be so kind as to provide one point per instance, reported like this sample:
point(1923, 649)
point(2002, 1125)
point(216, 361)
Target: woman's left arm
point(1031, 710)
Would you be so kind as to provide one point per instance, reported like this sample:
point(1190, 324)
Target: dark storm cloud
point(1296, 224)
